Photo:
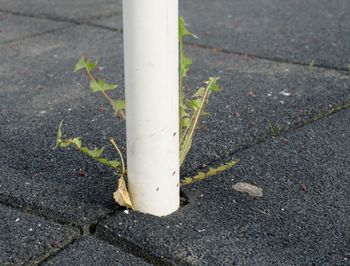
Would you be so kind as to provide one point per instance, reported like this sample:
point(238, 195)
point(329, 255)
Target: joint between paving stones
point(36, 35)
point(30, 211)
point(132, 248)
point(282, 131)
point(83, 231)
point(271, 59)
point(54, 253)
point(89, 21)
point(62, 19)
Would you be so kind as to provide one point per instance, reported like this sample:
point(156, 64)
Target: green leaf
point(185, 65)
point(199, 92)
point(64, 144)
point(80, 65)
point(85, 64)
point(212, 82)
point(91, 65)
point(185, 122)
point(96, 153)
point(183, 31)
point(59, 131)
point(119, 104)
point(198, 106)
point(101, 85)
point(114, 163)
point(311, 64)
point(77, 142)
point(211, 172)
point(194, 104)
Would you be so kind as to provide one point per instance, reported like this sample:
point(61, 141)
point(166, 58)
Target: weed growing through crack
point(191, 111)
point(275, 131)
point(311, 64)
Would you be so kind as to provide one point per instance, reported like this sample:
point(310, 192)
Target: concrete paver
point(74, 10)
point(297, 31)
point(91, 251)
point(27, 239)
point(18, 27)
point(301, 219)
point(256, 93)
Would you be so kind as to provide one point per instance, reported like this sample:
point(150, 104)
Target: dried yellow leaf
point(121, 196)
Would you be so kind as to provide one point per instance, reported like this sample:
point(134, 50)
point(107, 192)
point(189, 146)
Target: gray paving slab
point(17, 27)
point(301, 219)
point(27, 239)
point(259, 99)
point(113, 22)
point(92, 251)
point(38, 90)
point(47, 181)
point(76, 10)
point(297, 31)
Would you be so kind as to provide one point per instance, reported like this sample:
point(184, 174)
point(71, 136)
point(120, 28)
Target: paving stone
point(18, 27)
point(44, 90)
point(38, 90)
point(27, 239)
point(113, 22)
point(298, 31)
point(259, 99)
point(301, 219)
point(77, 10)
point(91, 251)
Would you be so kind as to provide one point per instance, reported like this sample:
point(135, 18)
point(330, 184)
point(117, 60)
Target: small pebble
point(252, 190)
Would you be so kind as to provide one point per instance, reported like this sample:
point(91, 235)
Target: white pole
point(151, 59)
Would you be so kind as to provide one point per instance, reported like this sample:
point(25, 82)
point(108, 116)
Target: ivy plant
point(191, 111)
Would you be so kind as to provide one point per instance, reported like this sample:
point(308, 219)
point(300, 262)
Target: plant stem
point(120, 155)
point(181, 94)
point(109, 99)
point(186, 140)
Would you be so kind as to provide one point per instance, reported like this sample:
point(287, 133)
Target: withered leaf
point(121, 196)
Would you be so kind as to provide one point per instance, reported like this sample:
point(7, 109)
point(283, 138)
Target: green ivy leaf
point(101, 85)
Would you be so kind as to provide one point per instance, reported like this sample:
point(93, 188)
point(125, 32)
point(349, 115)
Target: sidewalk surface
point(284, 112)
